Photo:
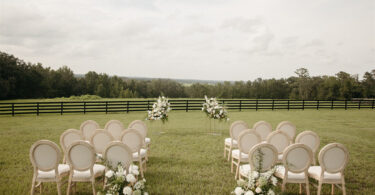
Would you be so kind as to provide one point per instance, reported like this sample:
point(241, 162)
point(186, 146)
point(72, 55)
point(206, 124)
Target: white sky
point(195, 39)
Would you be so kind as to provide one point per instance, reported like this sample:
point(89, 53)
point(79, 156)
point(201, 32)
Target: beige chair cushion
point(315, 171)
point(98, 170)
point(143, 154)
point(228, 141)
point(280, 172)
point(62, 169)
point(244, 157)
point(245, 170)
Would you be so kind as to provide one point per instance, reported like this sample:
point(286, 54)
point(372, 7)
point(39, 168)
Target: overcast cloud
point(195, 39)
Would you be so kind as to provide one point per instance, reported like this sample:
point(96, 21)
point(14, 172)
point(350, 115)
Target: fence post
point(359, 105)
point(12, 109)
point(62, 108)
point(373, 102)
point(37, 108)
point(256, 105)
point(331, 104)
point(187, 105)
point(84, 107)
point(240, 105)
point(106, 107)
point(288, 104)
point(317, 105)
point(273, 103)
point(148, 105)
point(127, 106)
point(303, 104)
point(346, 104)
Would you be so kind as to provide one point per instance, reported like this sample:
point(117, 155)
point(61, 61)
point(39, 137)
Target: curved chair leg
point(283, 186)
point(93, 186)
point(33, 185)
point(319, 187)
point(343, 185)
point(229, 152)
point(231, 166)
point(140, 165)
point(307, 186)
point(300, 188)
point(58, 187)
point(69, 184)
point(332, 189)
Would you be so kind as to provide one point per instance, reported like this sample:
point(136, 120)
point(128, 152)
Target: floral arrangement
point(257, 184)
point(159, 110)
point(122, 182)
point(214, 110)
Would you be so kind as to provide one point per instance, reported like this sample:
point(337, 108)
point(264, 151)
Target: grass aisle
point(184, 158)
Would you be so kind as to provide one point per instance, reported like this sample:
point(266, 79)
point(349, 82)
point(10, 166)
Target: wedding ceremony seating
point(263, 128)
point(81, 159)
point(68, 137)
point(263, 150)
point(235, 129)
point(296, 161)
point(117, 152)
point(115, 128)
point(333, 159)
point(99, 140)
point(280, 140)
point(134, 140)
point(311, 139)
point(288, 128)
point(88, 127)
point(246, 140)
point(45, 157)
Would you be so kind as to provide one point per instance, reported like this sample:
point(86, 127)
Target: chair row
point(263, 128)
point(296, 164)
point(45, 157)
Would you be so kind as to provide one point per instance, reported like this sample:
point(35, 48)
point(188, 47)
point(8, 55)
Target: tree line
point(19, 79)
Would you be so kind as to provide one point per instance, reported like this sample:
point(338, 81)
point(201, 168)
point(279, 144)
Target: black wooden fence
point(177, 104)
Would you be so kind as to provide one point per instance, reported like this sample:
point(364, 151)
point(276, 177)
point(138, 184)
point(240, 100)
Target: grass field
point(185, 158)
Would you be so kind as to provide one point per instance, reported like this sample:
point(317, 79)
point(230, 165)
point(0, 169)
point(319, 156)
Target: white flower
point(270, 192)
point(238, 191)
point(127, 190)
point(130, 178)
point(135, 172)
point(145, 193)
point(274, 180)
point(120, 173)
point(109, 174)
point(249, 192)
point(258, 190)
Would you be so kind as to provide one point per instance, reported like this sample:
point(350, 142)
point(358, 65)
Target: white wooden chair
point(263, 128)
point(141, 127)
point(296, 161)
point(235, 129)
point(311, 139)
point(45, 157)
point(267, 152)
point(88, 127)
point(134, 140)
point(288, 128)
point(68, 137)
point(115, 128)
point(246, 140)
point(333, 159)
point(118, 153)
point(81, 158)
point(280, 140)
point(100, 140)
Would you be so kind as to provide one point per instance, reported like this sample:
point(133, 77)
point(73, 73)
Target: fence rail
point(186, 105)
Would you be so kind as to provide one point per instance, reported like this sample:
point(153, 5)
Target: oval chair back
point(115, 128)
point(45, 155)
point(88, 127)
point(118, 153)
point(288, 128)
point(236, 128)
point(100, 140)
point(81, 156)
point(68, 137)
point(263, 128)
point(279, 139)
point(140, 126)
point(247, 139)
point(133, 139)
point(333, 158)
point(311, 139)
point(264, 152)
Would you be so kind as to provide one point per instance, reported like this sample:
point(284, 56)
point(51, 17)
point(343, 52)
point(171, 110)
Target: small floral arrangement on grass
point(257, 184)
point(123, 182)
point(160, 110)
point(214, 110)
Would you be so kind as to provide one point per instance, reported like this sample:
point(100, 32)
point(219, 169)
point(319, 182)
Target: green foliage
point(19, 79)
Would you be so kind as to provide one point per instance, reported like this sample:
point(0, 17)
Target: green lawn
point(185, 158)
